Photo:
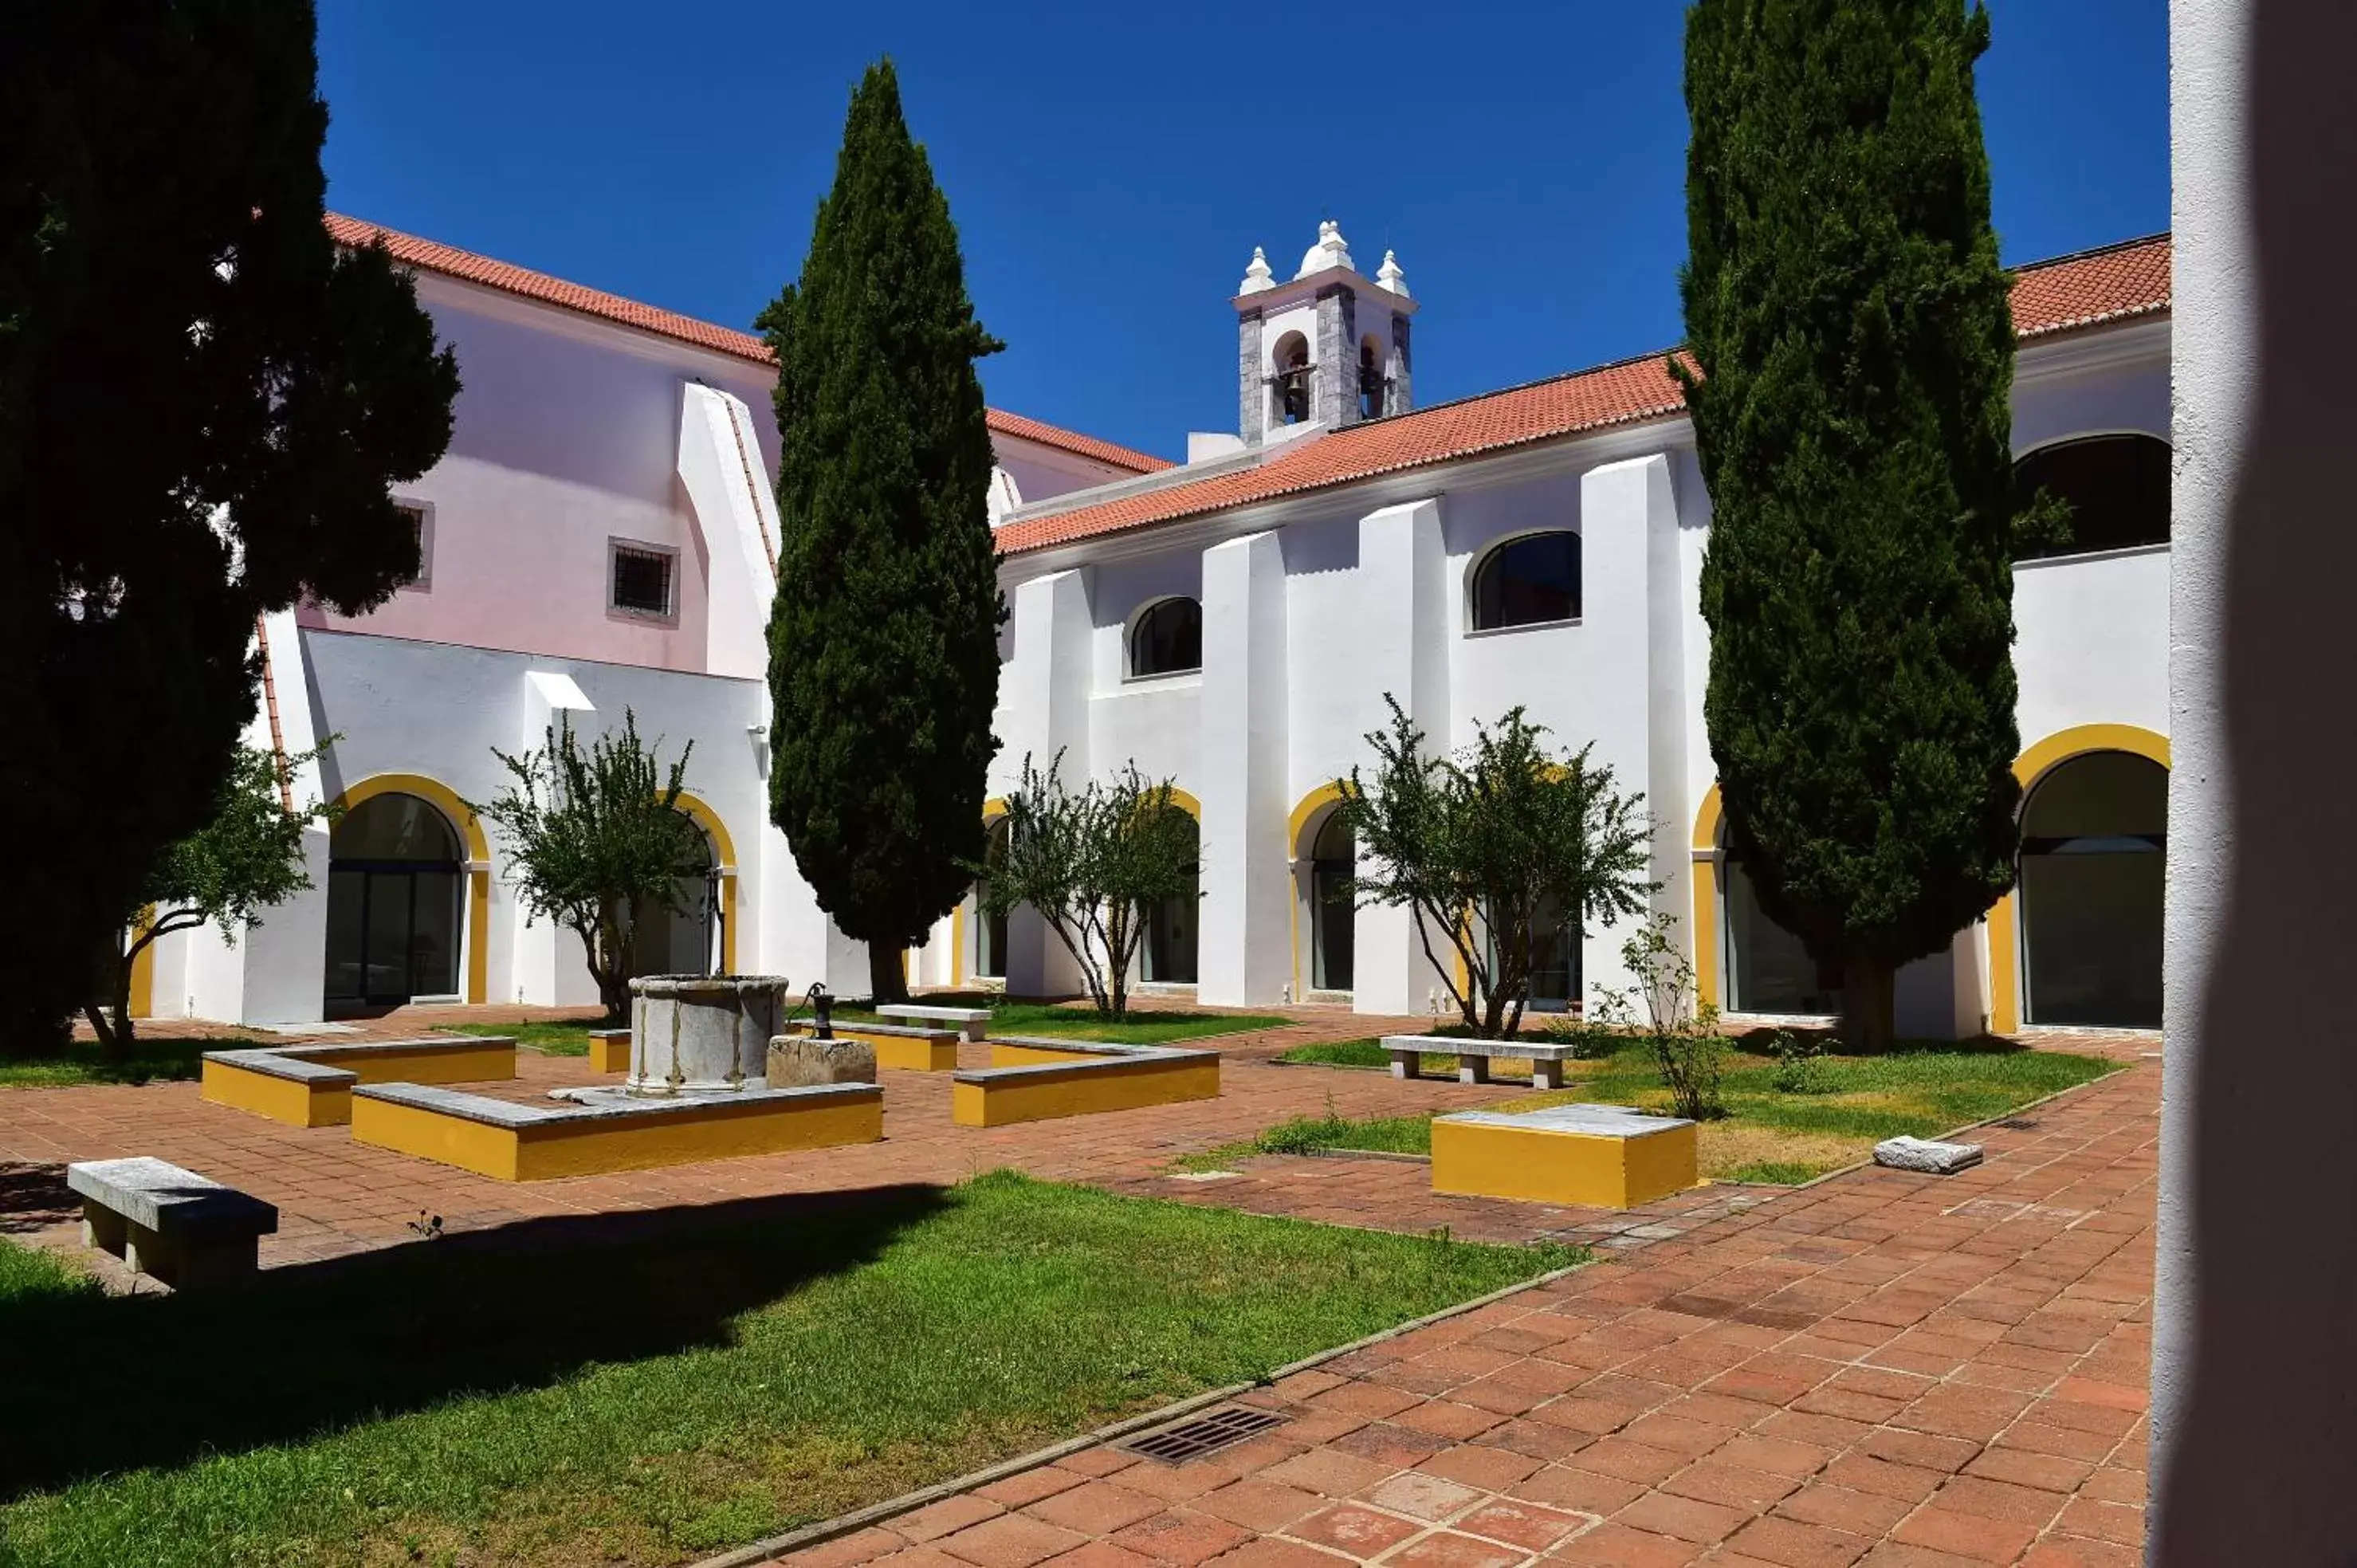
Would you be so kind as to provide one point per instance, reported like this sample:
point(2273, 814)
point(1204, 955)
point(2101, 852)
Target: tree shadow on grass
point(115, 1384)
point(163, 1059)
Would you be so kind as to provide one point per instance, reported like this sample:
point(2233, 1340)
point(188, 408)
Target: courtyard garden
point(610, 1390)
point(1789, 1117)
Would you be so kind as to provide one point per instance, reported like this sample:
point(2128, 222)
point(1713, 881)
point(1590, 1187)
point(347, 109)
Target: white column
point(1246, 954)
point(1044, 691)
point(1633, 614)
point(1410, 619)
point(278, 969)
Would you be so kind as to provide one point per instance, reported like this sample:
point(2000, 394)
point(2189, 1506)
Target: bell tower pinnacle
point(1326, 349)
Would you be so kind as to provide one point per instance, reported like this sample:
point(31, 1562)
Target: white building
point(601, 538)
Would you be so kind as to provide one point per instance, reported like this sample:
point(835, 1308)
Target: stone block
point(1932, 1158)
point(801, 1062)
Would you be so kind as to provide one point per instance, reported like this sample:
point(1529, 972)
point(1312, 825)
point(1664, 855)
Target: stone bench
point(972, 1023)
point(610, 1050)
point(1033, 1079)
point(514, 1141)
point(1474, 1057)
point(311, 1085)
point(907, 1047)
point(172, 1224)
point(1613, 1156)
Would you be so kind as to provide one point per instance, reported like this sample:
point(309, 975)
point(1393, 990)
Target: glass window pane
point(1169, 638)
point(2093, 844)
point(1528, 582)
point(346, 890)
point(1768, 968)
point(2115, 486)
point(434, 937)
point(397, 828)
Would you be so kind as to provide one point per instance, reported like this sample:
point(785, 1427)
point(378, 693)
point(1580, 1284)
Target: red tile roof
point(2118, 282)
point(448, 259)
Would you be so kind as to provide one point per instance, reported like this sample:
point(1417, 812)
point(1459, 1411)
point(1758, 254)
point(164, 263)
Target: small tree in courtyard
point(596, 842)
point(1482, 845)
point(248, 858)
point(1852, 363)
point(1093, 863)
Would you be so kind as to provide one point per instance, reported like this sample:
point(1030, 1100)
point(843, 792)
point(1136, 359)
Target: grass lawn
point(1140, 1028)
point(1769, 1136)
point(86, 1062)
point(571, 1040)
point(556, 1394)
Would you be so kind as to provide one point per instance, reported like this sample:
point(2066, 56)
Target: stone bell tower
point(1328, 348)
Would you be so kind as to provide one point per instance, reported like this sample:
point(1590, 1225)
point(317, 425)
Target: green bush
point(1801, 1065)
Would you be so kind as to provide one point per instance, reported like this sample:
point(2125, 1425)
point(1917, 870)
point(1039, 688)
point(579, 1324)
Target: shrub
point(1801, 1065)
point(1688, 1050)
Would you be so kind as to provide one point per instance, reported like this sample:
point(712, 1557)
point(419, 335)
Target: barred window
point(641, 579)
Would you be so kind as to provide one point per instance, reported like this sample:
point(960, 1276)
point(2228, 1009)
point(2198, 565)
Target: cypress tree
point(1852, 360)
point(202, 403)
point(884, 635)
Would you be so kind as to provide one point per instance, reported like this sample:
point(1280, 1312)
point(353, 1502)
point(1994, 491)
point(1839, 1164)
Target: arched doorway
point(1555, 973)
point(394, 922)
point(989, 930)
point(2094, 839)
point(1768, 968)
point(1333, 917)
point(1168, 956)
point(685, 937)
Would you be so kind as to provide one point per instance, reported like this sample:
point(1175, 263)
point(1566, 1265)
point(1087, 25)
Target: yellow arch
point(723, 854)
point(992, 810)
point(445, 799)
point(1187, 803)
point(1313, 805)
point(2004, 917)
point(1707, 821)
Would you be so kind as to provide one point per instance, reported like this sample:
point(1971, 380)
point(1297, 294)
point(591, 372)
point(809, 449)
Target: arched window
point(1333, 921)
point(1371, 381)
point(1289, 379)
point(990, 930)
point(2117, 487)
point(394, 874)
point(681, 940)
point(1528, 581)
point(1170, 930)
point(1168, 638)
point(2093, 840)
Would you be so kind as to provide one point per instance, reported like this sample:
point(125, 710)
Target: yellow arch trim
point(443, 798)
point(1186, 803)
point(2005, 915)
point(1296, 828)
point(1708, 822)
point(142, 969)
point(992, 810)
point(724, 850)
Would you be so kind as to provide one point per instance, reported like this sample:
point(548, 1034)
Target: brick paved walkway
point(1888, 1370)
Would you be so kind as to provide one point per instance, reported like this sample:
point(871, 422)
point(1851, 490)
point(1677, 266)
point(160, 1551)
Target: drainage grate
point(1203, 1435)
point(2017, 1124)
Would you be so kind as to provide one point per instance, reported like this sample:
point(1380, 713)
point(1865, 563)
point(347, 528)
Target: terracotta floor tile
point(1356, 1531)
point(1182, 1537)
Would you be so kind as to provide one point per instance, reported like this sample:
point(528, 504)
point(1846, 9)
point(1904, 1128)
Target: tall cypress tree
point(1853, 354)
point(202, 403)
point(884, 637)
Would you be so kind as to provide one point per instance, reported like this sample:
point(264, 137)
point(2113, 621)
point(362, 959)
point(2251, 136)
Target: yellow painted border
point(1536, 1165)
point(2004, 917)
point(724, 850)
point(142, 969)
point(1707, 821)
point(443, 798)
point(721, 1130)
point(1094, 1086)
point(1296, 827)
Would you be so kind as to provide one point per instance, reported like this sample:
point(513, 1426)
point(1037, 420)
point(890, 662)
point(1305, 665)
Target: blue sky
point(1110, 168)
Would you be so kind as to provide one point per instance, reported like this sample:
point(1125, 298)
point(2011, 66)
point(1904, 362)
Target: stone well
point(695, 1034)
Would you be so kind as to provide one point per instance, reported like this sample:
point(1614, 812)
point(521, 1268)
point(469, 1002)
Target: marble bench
point(972, 1023)
point(1474, 1057)
point(1614, 1156)
point(168, 1223)
point(514, 1142)
point(1033, 1079)
point(311, 1085)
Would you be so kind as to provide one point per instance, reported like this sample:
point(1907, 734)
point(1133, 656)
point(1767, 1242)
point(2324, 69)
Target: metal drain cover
point(1194, 1438)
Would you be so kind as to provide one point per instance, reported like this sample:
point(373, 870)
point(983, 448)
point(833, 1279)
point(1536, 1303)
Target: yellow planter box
point(311, 1085)
point(510, 1142)
point(610, 1050)
point(1033, 1081)
point(899, 1045)
point(1607, 1155)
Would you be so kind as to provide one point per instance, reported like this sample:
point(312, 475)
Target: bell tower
point(1326, 347)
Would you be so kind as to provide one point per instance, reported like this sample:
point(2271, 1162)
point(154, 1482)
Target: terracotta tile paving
point(1884, 1370)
